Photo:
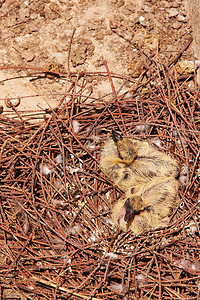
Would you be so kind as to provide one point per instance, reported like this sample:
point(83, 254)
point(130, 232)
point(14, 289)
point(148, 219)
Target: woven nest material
point(58, 240)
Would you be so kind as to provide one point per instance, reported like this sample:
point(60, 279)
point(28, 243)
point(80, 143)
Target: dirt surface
point(35, 34)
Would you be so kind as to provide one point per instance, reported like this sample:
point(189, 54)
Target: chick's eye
point(149, 208)
point(126, 175)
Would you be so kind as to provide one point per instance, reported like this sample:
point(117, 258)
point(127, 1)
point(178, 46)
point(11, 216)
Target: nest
point(58, 240)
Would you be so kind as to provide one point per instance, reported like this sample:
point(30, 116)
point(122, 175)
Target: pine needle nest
point(58, 240)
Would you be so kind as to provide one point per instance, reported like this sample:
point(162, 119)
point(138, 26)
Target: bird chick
point(144, 162)
point(149, 207)
point(147, 176)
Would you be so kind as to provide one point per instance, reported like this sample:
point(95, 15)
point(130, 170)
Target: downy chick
point(144, 162)
point(149, 207)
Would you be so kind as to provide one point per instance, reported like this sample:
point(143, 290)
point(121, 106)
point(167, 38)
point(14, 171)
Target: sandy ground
point(35, 34)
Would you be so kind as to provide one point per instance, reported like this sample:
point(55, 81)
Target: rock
point(28, 55)
point(181, 18)
point(172, 12)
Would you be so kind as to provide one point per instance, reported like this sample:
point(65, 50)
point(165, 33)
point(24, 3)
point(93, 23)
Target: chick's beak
point(130, 212)
point(116, 136)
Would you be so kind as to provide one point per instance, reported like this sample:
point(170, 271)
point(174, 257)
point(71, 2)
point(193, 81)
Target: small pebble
point(172, 12)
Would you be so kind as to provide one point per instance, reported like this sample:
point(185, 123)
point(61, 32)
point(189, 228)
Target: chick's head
point(124, 213)
point(132, 207)
point(126, 148)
